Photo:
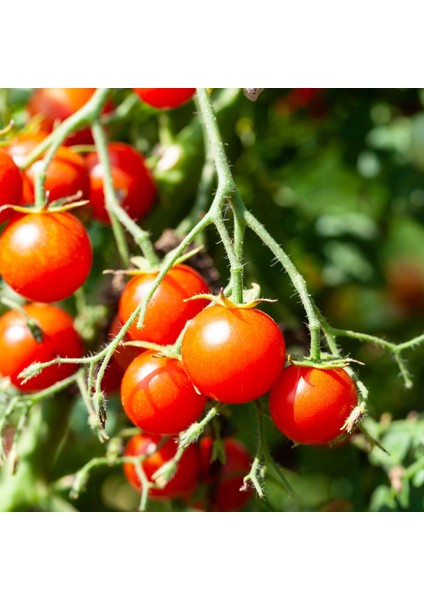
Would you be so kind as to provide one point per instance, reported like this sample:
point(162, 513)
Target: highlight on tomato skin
point(167, 312)
point(311, 405)
point(158, 397)
point(132, 181)
point(165, 98)
point(45, 257)
point(19, 348)
point(233, 355)
point(159, 452)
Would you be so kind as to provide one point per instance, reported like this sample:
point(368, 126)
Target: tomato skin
point(165, 97)
point(132, 181)
point(167, 313)
point(66, 175)
point(57, 104)
point(186, 475)
point(10, 184)
point(45, 257)
point(157, 395)
point(309, 405)
point(18, 348)
point(123, 355)
point(233, 355)
point(225, 480)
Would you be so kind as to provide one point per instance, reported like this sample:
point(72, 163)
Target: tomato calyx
point(251, 296)
point(170, 351)
point(327, 362)
point(355, 417)
point(58, 206)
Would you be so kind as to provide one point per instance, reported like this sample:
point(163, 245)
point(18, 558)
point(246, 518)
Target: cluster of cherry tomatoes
point(211, 350)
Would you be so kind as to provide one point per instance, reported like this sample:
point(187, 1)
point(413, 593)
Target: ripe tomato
point(123, 355)
point(165, 97)
point(10, 184)
point(233, 355)
point(45, 257)
point(186, 475)
point(132, 181)
point(157, 395)
point(225, 481)
point(66, 175)
point(18, 348)
point(54, 105)
point(310, 405)
point(167, 313)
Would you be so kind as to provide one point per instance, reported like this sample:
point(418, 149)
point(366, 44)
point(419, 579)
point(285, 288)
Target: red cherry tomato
point(226, 480)
point(233, 355)
point(309, 406)
point(112, 379)
point(54, 105)
point(165, 97)
point(132, 181)
point(167, 312)
point(186, 475)
point(10, 184)
point(18, 348)
point(45, 257)
point(66, 175)
point(157, 395)
point(123, 355)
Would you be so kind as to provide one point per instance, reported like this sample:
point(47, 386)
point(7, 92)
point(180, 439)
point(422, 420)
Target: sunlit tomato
point(186, 475)
point(167, 311)
point(10, 184)
point(309, 405)
point(132, 181)
point(123, 355)
point(225, 480)
point(54, 105)
point(165, 97)
point(18, 348)
point(157, 395)
point(45, 257)
point(233, 355)
point(66, 175)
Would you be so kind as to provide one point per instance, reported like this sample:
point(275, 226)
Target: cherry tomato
point(45, 257)
point(225, 480)
point(10, 184)
point(55, 105)
point(132, 181)
point(233, 355)
point(157, 395)
point(66, 175)
point(167, 312)
point(165, 97)
point(123, 355)
point(18, 347)
point(186, 475)
point(112, 379)
point(309, 405)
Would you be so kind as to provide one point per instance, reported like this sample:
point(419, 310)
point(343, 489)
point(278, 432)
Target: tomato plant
point(132, 181)
point(45, 257)
point(19, 346)
point(159, 451)
point(165, 97)
point(123, 355)
point(167, 311)
point(225, 480)
point(212, 356)
point(157, 395)
point(310, 406)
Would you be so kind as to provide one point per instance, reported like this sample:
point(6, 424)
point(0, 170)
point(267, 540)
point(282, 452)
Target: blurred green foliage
point(337, 177)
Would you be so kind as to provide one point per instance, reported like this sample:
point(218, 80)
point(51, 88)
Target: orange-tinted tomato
point(165, 97)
